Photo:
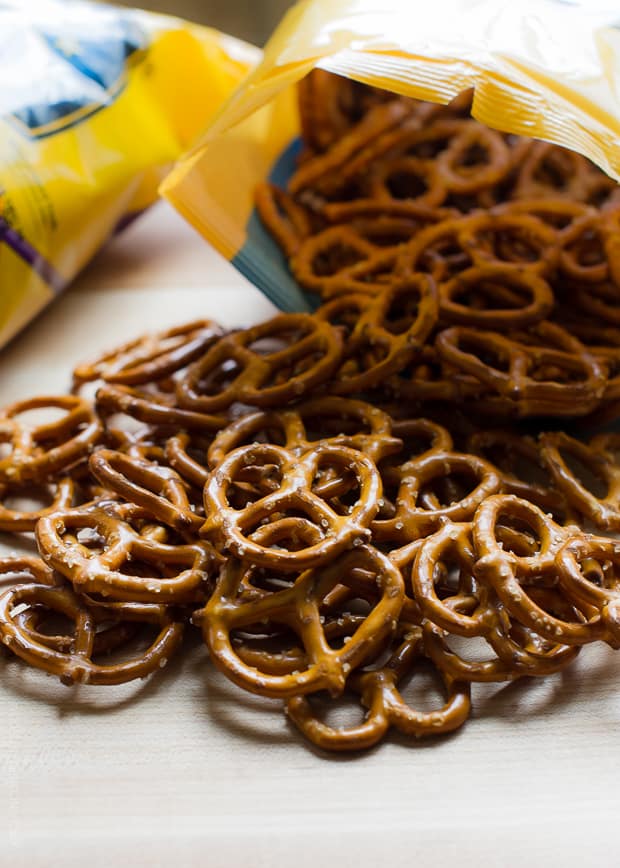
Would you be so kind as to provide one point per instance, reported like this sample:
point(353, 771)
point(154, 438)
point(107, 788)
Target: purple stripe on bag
point(29, 254)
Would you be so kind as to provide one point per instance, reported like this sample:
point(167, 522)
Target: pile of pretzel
point(278, 487)
point(510, 246)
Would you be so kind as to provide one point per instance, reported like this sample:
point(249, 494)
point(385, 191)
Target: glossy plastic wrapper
point(96, 104)
point(548, 69)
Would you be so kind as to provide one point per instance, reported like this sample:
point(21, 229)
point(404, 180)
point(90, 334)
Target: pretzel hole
point(403, 311)
point(587, 251)
point(117, 643)
point(445, 490)
point(289, 530)
point(334, 259)
point(601, 190)
point(555, 604)
point(587, 474)
point(288, 370)
point(470, 649)
point(518, 536)
point(600, 571)
point(38, 416)
point(554, 171)
point(422, 688)
point(89, 538)
point(428, 148)
point(450, 578)
point(471, 158)
point(266, 579)
point(516, 463)
point(340, 627)
point(219, 378)
point(46, 622)
point(278, 341)
point(406, 184)
point(271, 647)
point(32, 498)
point(341, 712)
point(386, 232)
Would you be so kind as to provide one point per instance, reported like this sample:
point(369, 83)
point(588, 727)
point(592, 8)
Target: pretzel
point(338, 260)
point(476, 159)
point(40, 451)
point(419, 511)
point(174, 573)
point(15, 568)
point(322, 172)
point(583, 256)
point(587, 569)
point(519, 240)
point(548, 169)
point(520, 371)
point(234, 528)
point(378, 692)
point(298, 606)
point(330, 104)
point(378, 345)
point(436, 250)
point(560, 214)
point(519, 461)
point(516, 650)
point(138, 405)
point(310, 355)
point(151, 357)
point(76, 666)
point(287, 220)
point(603, 510)
point(407, 178)
point(528, 295)
point(340, 421)
point(60, 495)
point(428, 379)
point(416, 215)
point(157, 489)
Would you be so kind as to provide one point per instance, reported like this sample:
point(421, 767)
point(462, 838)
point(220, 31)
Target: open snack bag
point(541, 69)
point(96, 104)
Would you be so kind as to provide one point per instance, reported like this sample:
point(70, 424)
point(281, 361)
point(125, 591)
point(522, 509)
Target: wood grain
point(184, 769)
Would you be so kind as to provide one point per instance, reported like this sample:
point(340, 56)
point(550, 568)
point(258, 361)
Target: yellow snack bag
point(546, 69)
point(96, 104)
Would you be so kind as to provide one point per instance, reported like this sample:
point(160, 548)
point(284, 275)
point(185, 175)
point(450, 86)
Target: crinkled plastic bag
point(96, 104)
point(548, 69)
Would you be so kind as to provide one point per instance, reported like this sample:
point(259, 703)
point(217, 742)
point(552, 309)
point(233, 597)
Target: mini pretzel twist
point(174, 573)
point(159, 490)
point(309, 359)
point(378, 692)
point(379, 346)
point(76, 665)
point(41, 451)
point(235, 529)
point(587, 572)
point(528, 375)
point(151, 357)
point(603, 510)
point(298, 606)
point(419, 510)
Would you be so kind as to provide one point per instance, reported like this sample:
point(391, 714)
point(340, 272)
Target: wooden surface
point(186, 770)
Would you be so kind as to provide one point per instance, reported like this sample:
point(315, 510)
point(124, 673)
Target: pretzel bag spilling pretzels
point(96, 104)
point(542, 69)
